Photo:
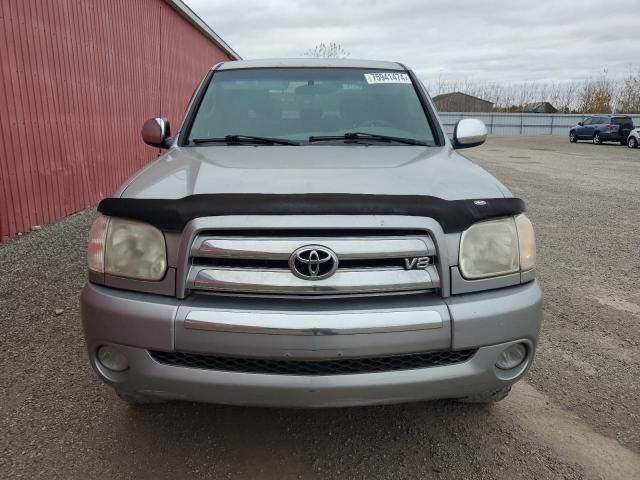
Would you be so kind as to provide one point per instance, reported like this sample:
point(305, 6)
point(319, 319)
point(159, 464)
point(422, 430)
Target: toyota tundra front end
point(311, 238)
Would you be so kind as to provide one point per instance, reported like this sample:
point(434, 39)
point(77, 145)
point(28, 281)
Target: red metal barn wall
point(77, 81)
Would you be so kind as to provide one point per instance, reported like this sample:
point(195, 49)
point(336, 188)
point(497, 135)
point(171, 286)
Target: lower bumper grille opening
point(313, 367)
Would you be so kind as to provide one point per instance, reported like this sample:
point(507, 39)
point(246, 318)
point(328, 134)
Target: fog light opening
point(112, 359)
point(512, 356)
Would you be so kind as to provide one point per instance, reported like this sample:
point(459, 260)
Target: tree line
point(600, 94)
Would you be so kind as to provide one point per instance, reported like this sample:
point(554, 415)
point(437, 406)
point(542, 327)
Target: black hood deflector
point(173, 215)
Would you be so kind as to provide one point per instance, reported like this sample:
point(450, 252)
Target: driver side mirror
point(157, 132)
point(581, 123)
point(468, 133)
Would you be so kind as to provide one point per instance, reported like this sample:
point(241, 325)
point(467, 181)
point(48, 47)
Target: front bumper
point(136, 323)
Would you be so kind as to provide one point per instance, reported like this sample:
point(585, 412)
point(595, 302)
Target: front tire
point(573, 137)
point(632, 143)
point(597, 139)
point(487, 397)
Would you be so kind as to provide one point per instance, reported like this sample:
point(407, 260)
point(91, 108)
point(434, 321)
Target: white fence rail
point(520, 123)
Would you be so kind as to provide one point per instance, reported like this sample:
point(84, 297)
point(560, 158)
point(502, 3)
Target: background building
point(78, 78)
point(539, 107)
point(461, 102)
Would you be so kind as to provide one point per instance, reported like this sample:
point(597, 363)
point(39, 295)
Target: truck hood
point(383, 170)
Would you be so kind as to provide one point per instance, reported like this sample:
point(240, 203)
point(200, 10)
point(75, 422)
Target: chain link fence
point(520, 123)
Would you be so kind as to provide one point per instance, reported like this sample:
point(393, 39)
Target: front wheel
point(597, 139)
point(573, 138)
point(632, 143)
point(487, 397)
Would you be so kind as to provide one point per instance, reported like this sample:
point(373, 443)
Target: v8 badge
point(416, 263)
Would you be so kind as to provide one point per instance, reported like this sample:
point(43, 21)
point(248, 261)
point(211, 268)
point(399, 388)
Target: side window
point(624, 121)
point(602, 120)
point(586, 121)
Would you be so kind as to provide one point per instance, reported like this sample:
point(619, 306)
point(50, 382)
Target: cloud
point(498, 40)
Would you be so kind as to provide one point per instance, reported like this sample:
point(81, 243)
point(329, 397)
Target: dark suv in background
point(603, 128)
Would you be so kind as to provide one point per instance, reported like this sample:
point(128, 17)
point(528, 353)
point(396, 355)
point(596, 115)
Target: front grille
point(367, 261)
point(313, 367)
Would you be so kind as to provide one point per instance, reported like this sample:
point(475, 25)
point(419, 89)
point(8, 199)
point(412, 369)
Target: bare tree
point(327, 50)
point(597, 95)
point(628, 99)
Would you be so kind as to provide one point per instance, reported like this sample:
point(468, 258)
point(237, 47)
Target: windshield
point(298, 103)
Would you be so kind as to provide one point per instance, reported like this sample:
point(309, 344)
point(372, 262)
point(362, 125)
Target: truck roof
point(310, 63)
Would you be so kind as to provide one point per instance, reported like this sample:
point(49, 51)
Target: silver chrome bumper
point(136, 323)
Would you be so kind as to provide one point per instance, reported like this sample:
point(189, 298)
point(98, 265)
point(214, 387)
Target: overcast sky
point(499, 40)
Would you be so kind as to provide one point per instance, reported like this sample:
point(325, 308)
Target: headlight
point(127, 248)
point(497, 247)
point(97, 238)
point(526, 242)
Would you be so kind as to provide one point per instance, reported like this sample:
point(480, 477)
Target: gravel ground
point(575, 417)
point(584, 201)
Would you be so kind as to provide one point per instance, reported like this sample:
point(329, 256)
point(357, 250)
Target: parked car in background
point(602, 128)
point(633, 140)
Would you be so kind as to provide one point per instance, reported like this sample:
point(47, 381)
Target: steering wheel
point(375, 123)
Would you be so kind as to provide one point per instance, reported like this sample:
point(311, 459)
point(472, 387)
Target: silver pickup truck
point(311, 238)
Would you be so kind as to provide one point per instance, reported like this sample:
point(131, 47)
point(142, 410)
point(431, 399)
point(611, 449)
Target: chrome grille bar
point(265, 248)
point(283, 282)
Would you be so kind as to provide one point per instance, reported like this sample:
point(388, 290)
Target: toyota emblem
point(313, 262)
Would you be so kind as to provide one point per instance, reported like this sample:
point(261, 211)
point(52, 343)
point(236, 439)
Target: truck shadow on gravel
point(411, 440)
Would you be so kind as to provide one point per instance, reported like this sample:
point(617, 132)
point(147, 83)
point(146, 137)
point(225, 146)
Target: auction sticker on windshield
point(387, 77)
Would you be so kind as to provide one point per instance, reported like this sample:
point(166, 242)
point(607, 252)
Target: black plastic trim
point(173, 215)
point(343, 366)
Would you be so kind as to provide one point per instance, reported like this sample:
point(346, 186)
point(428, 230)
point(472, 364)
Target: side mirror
point(581, 123)
point(468, 133)
point(156, 132)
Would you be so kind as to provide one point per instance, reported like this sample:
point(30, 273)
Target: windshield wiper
point(367, 136)
point(246, 139)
